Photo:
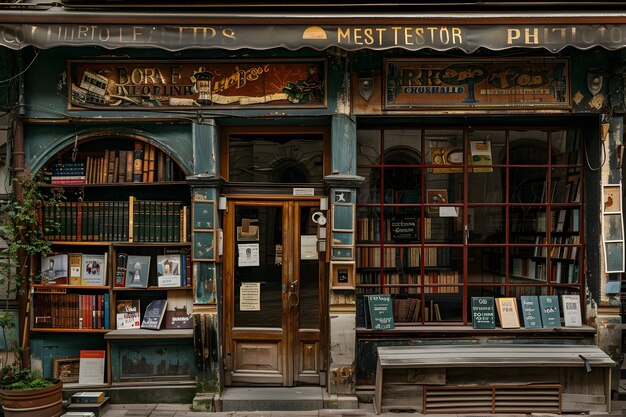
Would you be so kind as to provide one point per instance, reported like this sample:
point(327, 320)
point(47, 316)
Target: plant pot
point(44, 402)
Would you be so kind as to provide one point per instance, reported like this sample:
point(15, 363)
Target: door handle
point(293, 297)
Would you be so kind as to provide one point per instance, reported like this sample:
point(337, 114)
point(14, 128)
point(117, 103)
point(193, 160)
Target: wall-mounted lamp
point(594, 82)
point(222, 203)
point(604, 131)
point(324, 203)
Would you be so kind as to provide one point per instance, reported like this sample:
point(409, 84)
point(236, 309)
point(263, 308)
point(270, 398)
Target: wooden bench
point(493, 378)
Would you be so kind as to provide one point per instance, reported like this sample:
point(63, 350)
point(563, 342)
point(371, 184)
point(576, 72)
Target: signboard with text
point(194, 84)
point(494, 83)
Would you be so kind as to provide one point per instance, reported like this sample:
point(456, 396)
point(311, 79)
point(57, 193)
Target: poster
point(250, 296)
point(308, 247)
point(248, 254)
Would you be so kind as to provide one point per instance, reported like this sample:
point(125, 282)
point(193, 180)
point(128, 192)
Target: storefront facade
point(434, 159)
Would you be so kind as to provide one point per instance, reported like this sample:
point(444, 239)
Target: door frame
point(291, 229)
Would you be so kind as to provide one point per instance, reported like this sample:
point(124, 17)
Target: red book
point(188, 266)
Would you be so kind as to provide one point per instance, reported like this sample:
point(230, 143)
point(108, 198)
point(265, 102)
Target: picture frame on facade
point(436, 196)
point(66, 368)
point(613, 229)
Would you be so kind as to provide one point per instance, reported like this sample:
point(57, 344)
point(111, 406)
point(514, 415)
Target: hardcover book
point(120, 269)
point(88, 397)
point(94, 269)
point(572, 313)
point(483, 313)
point(178, 314)
point(550, 311)
point(153, 316)
point(75, 268)
point(91, 368)
point(137, 271)
point(54, 269)
point(530, 311)
point(168, 270)
point(507, 312)
point(127, 314)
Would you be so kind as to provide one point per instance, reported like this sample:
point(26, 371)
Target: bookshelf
point(125, 224)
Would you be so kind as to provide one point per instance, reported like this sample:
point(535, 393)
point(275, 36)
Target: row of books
point(144, 163)
point(395, 257)
point(176, 311)
point(71, 311)
point(406, 310)
point(74, 269)
point(117, 221)
point(172, 270)
point(441, 282)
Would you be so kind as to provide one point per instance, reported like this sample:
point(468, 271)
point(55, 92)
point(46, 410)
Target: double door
point(274, 294)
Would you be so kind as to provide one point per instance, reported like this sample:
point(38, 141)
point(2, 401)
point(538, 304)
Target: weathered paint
point(342, 352)
point(343, 145)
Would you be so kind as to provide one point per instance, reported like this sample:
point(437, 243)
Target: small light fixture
point(594, 82)
point(221, 204)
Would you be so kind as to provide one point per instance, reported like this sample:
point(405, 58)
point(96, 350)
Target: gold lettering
point(408, 36)
point(357, 36)
point(531, 38)
point(137, 32)
point(380, 35)
point(175, 73)
point(230, 35)
point(82, 31)
point(419, 35)
point(369, 39)
point(341, 34)
point(432, 33)
point(512, 35)
point(456, 35)
point(395, 34)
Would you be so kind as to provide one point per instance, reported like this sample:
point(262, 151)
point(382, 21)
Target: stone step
point(274, 398)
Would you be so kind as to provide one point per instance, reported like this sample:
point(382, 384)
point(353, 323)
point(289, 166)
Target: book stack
point(68, 173)
point(71, 311)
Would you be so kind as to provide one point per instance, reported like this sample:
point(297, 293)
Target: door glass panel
point(267, 271)
point(309, 276)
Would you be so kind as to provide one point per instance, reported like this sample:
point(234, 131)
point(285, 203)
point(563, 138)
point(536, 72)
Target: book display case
point(121, 237)
point(445, 215)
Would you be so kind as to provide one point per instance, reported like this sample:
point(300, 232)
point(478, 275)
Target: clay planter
point(44, 402)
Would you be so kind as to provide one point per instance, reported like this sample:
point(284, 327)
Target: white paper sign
point(448, 212)
point(308, 247)
point(250, 296)
point(571, 311)
point(248, 254)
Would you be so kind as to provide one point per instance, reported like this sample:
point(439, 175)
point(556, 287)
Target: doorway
point(274, 294)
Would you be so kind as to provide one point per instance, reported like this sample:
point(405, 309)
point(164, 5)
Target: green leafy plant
point(25, 238)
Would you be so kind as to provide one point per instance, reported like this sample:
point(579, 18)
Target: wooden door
point(273, 294)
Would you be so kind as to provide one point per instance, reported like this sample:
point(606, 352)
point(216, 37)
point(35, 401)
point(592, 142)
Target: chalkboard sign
point(550, 312)
point(530, 311)
point(483, 313)
point(404, 229)
point(380, 312)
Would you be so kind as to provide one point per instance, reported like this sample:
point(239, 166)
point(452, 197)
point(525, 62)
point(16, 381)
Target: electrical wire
point(23, 71)
point(589, 163)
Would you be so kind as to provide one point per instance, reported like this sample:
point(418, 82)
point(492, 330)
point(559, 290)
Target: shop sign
point(481, 84)
point(197, 84)
point(404, 229)
point(435, 36)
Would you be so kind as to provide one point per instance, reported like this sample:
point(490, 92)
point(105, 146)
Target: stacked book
point(68, 173)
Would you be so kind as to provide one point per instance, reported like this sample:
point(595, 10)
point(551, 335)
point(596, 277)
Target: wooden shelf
point(125, 334)
point(152, 289)
point(119, 244)
point(78, 287)
point(118, 184)
point(67, 330)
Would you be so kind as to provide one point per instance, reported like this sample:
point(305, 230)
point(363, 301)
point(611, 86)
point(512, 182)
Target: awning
point(466, 32)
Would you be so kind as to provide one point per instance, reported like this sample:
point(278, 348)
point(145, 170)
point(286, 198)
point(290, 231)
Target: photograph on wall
point(54, 269)
point(436, 196)
point(611, 199)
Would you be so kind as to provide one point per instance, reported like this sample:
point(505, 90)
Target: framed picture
point(611, 198)
point(66, 368)
point(342, 275)
point(436, 196)
point(204, 246)
point(204, 215)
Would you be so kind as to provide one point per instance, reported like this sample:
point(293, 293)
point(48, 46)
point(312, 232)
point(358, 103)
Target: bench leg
point(378, 389)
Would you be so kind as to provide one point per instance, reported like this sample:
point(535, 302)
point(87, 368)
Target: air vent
point(500, 399)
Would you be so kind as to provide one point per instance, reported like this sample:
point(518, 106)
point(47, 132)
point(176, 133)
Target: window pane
point(487, 187)
point(280, 158)
point(486, 264)
point(528, 147)
point(369, 192)
point(368, 147)
point(565, 147)
point(486, 224)
point(527, 185)
point(402, 147)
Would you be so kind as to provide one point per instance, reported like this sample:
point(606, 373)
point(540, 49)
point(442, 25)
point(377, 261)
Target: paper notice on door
point(308, 247)
point(250, 296)
point(248, 254)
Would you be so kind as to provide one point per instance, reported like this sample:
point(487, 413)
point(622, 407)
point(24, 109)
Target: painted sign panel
point(185, 84)
point(432, 35)
point(494, 83)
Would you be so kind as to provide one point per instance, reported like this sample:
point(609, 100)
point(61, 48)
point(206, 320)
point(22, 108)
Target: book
point(54, 269)
point(507, 312)
point(120, 269)
point(169, 270)
point(94, 269)
point(127, 314)
point(75, 267)
point(572, 313)
point(179, 311)
point(91, 367)
point(88, 397)
point(550, 311)
point(153, 317)
point(530, 311)
point(137, 271)
point(483, 313)
point(138, 162)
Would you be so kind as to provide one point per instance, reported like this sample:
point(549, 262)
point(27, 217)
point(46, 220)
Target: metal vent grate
point(493, 399)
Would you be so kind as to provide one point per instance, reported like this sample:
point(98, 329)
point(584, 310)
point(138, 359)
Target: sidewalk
point(184, 410)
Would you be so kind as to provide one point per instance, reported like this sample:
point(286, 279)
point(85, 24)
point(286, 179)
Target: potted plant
point(23, 391)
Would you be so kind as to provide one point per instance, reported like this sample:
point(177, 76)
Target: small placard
point(483, 313)
point(550, 311)
point(380, 311)
point(250, 296)
point(530, 311)
point(404, 229)
point(303, 191)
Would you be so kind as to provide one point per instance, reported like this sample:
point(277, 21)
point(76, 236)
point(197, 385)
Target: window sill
point(449, 330)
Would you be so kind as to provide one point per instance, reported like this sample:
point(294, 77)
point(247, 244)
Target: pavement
point(366, 410)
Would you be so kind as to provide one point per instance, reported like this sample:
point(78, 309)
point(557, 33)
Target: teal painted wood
point(343, 145)
point(206, 150)
point(47, 346)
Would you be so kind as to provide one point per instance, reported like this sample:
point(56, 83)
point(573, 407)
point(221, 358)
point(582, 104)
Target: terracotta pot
point(44, 402)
